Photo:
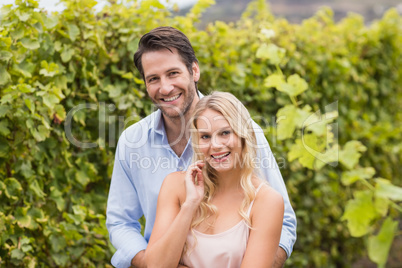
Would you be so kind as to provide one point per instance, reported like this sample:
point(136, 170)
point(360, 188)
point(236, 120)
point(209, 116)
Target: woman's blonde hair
point(240, 121)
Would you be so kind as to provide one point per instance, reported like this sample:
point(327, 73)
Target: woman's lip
point(217, 155)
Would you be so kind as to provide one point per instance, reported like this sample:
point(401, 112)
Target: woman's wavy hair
point(240, 121)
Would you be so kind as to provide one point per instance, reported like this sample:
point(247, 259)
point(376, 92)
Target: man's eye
point(150, 80)
point(173, 73)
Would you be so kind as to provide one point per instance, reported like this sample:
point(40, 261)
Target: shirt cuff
point(286, 243)
point(123, 256)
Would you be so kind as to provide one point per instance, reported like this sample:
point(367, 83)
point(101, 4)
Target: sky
point(51, 5)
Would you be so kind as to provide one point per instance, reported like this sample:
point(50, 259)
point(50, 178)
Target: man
point(159, 144)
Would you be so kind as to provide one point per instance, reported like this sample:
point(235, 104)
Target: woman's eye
point(226, 132)
point(204, 137)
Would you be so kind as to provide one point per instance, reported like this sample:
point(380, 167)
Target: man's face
point(169, 84)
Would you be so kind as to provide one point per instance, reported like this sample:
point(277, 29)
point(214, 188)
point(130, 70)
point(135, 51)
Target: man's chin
point(172, 114)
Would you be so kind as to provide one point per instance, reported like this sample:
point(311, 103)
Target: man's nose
point(166, 86)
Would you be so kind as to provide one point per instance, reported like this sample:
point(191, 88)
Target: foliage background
point(53, 194)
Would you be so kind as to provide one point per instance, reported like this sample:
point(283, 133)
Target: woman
point(218, 213)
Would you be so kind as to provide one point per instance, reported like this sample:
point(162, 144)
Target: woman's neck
point(229, 181)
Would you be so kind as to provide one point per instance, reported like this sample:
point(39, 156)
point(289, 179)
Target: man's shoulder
point(140, 128)
point(138, 135)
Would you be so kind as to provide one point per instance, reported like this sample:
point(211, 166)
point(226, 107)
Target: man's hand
point(139, 260)
point(280, 258)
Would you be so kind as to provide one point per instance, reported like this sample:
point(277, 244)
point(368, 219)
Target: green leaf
point(349, 177)
point(128, 75)
point(57, 242)
point(13, 188)
point(57, 197)
point(23, 219)
point(80, 211)
point(306, 149)
point(274, 80)
point(82, 178)
point(60, 112)
point(381, 205)
point(4, 131)
point(3, 110)
point(350, 154)
point(4, 75)
point(385, 189)
point(34, 186)
point(25, 88)
point(73, 31)
point(50, 100)
point(359, 213)
point(25, 68)
point(4, 150)
point(67, 54)
point(61, 259)
point(17, 254)
point(379, 245)
point(18, 33)
point(38, 215)
point(23, 16)
point(295, 85)
point(30, 104)
point(50, 21)
point(330, 156)
point(29, 43)
point(290, 117)
point(5, 55)
point(49, 70)
point(271, 52)
point(41, 133)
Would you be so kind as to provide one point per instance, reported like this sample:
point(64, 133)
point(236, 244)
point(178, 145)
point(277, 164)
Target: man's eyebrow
point(173, 69)
point(149, 76)
point(169, 70)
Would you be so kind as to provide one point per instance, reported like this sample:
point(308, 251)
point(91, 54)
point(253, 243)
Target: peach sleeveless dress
point(223, 250)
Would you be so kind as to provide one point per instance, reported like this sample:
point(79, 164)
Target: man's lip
point(177, 96)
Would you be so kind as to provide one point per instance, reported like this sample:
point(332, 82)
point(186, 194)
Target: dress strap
point(252, 202)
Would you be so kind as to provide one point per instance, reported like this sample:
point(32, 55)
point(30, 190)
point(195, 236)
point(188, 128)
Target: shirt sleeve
point(122, 213)
point(269, 170)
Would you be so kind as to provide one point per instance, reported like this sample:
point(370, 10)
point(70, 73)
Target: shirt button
point(180, 168)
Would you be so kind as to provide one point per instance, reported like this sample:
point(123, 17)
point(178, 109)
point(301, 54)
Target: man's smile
point(171, 98)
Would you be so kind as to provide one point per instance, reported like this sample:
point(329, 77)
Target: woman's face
point(218, 142)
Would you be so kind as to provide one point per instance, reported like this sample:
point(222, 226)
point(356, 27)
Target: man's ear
point(196, 72)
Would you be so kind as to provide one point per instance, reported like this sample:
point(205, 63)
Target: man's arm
point(123, 212)
point(280, 258)
point(139, 260)
point(269, 170)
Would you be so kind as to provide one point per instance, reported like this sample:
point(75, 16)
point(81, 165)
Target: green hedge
point(74, 70)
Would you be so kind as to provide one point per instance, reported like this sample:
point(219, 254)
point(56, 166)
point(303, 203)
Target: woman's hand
point(194, 184)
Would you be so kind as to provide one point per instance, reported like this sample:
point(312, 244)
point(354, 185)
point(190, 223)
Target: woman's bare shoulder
point(175, 177)
point(268, 197)
point(175, 183)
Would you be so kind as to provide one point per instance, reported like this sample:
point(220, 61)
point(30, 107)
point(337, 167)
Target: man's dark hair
point(165, 38)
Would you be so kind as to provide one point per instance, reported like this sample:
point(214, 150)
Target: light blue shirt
point(143, 159)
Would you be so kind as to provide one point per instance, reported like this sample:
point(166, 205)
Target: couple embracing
point(212, 206)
